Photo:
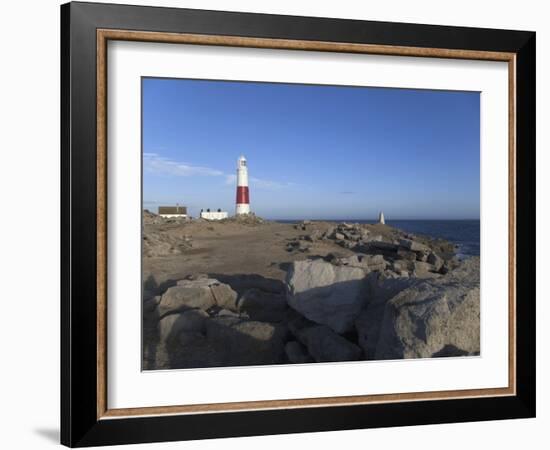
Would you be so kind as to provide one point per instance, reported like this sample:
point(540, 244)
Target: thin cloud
point(269, 184)
point(346, 192)
point(230, 179)
point(154, 163)
point(159, 165)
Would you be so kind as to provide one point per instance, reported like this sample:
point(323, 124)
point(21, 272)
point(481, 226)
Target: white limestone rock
point(326, 294)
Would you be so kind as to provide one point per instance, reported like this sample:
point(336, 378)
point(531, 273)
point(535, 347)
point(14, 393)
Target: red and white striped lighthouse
point(243, 199)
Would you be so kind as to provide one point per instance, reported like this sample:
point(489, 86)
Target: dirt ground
point(232, 248)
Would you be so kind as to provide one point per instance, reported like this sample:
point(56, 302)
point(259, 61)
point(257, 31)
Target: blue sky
point(314, 152)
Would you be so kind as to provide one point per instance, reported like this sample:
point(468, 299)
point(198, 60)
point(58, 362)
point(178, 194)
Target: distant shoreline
point(464, 233)
point(369, 220)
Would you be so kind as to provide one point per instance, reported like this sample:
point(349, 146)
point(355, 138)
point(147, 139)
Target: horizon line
point(354, 219)
point(370, 220)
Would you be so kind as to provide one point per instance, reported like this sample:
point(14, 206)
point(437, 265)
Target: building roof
point(172, 209)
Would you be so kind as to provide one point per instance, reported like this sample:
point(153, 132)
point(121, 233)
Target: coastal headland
point(246, 291)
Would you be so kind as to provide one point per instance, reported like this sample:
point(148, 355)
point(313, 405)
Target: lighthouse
point(243, 199)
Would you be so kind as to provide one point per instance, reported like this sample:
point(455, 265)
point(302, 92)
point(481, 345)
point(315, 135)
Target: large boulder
point(424, 270)
point(422, 255)
point(366, 262)
point(401, 265)
point(224, 296)
point(385, 247)
point(435, 261)
point(227, 312)
point(150, 305)
point(406, 254)
point(368, 328)
point(202, 293)
point(381, 287)
point(191, 349)
point(296, 322)
point(297, 353)
point(247, 342)
point(414, 246)
point(326, 294)
point(263, 306)
point(433, 316)
point(243, 282)
point(220, 341)
point(324, 345)
point(315, 235)
point(172, 325)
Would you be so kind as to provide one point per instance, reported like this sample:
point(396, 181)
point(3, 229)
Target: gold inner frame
point(104, 35)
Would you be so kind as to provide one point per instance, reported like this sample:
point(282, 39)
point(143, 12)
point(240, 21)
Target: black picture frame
point(80, 425)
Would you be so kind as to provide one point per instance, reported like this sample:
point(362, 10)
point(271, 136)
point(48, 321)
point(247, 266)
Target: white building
point(214, 215)
point(172, 211)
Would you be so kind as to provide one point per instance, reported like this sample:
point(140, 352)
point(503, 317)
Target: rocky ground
point(249, 292)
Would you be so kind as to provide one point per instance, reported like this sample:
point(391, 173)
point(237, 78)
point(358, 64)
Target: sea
point(463, 233)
